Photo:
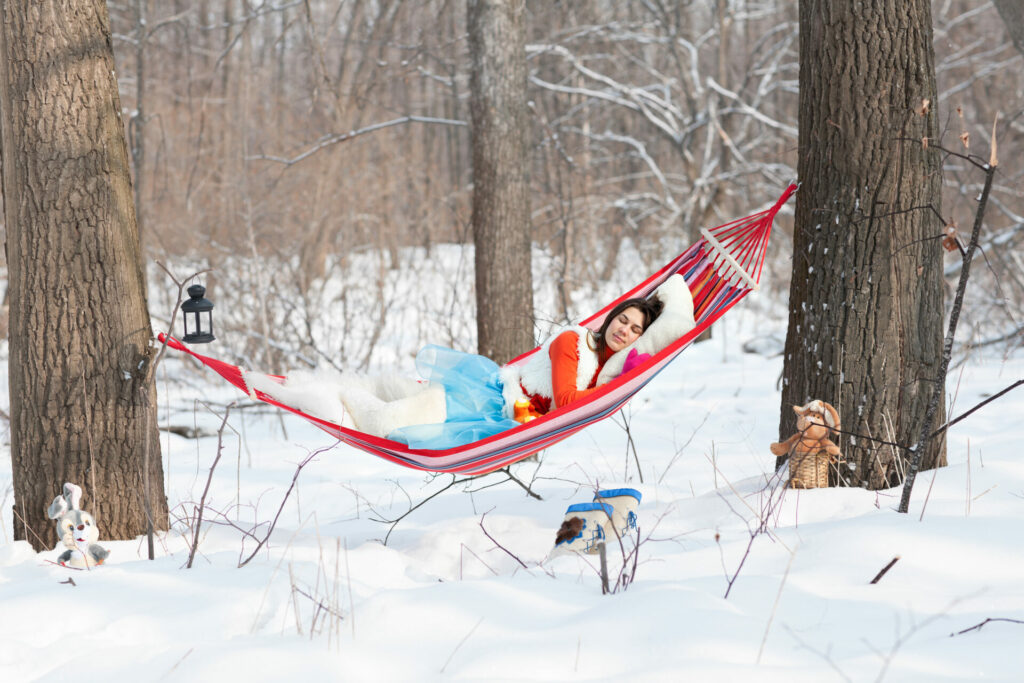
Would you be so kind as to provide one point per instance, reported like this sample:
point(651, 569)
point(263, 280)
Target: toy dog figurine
point(77, 530)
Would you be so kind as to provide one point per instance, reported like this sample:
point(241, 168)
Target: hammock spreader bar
point(720, 271)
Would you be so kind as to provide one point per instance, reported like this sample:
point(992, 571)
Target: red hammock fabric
point(720, 269)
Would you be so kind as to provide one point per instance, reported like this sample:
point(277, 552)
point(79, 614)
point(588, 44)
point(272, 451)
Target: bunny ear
point(73, 495)
point(831, 416)
point(814, 406)
point(57, 508)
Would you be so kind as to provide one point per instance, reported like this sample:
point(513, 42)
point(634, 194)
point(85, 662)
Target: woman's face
point(624, 329)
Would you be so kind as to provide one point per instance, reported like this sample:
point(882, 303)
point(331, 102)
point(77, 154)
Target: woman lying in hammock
point(467, 397)
point(480, 397)
point(722, 268)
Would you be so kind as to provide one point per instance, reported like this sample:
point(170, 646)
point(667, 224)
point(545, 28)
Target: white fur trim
point(676, 319)
point(249, 389)
point(534, 374)
point(511, 391)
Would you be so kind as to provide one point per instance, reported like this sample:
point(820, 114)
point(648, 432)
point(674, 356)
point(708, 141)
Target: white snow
point(441, 601)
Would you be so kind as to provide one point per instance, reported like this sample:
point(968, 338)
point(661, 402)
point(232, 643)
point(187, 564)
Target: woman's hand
point(633, 360)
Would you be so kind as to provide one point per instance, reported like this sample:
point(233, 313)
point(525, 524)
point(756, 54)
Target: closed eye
point(633, 327)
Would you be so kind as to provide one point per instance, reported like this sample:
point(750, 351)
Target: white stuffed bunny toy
point(77, 530)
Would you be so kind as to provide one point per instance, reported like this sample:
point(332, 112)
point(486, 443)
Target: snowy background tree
point(82, 406)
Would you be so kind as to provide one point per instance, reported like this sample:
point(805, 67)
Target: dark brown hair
point(649, 308)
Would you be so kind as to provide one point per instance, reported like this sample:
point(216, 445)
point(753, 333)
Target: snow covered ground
point(440, 600)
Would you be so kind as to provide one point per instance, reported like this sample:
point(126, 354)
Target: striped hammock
point(722, 268)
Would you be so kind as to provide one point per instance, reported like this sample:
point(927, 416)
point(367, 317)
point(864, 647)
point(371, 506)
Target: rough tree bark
point(501, 202)
point(866, 310)
point(79, 326)
point(1012, 12)
point(137, 122)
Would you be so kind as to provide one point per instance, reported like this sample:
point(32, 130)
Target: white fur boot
point(373, 404)
point(375, 415)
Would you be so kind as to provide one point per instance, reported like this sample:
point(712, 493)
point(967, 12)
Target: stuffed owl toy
point(76, 530)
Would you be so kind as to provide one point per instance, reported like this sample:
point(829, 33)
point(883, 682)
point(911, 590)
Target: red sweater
point(565, 358)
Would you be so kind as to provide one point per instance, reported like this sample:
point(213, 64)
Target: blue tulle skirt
point(473, 398)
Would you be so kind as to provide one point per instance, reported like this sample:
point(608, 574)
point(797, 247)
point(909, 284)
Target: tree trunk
point(137, 122)
point(866, 311)
point(79, 327)
point(501, 203)
point(1012, 12)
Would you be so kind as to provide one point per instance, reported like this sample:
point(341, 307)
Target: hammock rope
point(720, 269)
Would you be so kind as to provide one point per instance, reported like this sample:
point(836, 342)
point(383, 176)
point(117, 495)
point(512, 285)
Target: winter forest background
point(259, 137)
point(313, 158)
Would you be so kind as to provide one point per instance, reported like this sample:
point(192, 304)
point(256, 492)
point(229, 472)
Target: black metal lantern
point(198, 317)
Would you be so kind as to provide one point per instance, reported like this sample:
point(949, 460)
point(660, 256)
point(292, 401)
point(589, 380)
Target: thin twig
point(461, 643)
point(767, 508)
point(206, 490)
point(291, 487)
point(145, 378)
point(318, 602)
point(463, 546)
point(28, 530)
point(928, 495)
point(946, 426)
point(506, 550)
point(975, 408)
point(454, 482)
point(775, 606)
point(886, 568)
point(394, 522)
point(630, 444)
point(743, 500)
point(351, 602)
point(917, 450)
point(977, 627)
point(3, 504)
point(529, 491)
point(329, 140)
